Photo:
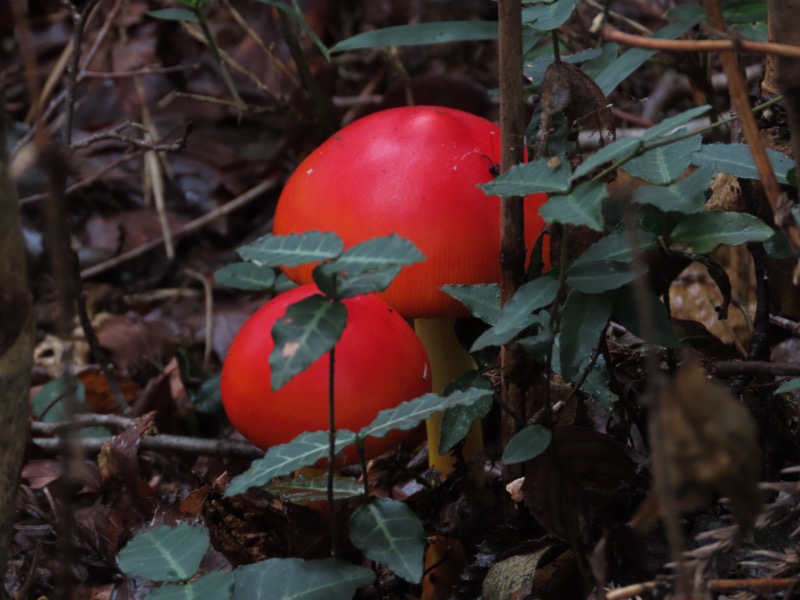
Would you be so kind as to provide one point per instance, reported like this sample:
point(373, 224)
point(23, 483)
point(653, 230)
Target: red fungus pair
point(411, 171)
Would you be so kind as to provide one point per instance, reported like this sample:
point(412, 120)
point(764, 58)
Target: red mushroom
point(412, 171)
point(379, 364)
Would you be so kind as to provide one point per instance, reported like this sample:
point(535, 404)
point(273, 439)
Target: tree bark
point(16, 348)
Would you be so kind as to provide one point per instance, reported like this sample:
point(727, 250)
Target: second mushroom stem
point(448, 360)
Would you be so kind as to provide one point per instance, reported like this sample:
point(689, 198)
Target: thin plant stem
point(332, 450)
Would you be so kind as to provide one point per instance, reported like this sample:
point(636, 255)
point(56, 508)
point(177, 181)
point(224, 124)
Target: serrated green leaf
point(664, 164)
point(457, 421)
point(482, 299)
point(687, 195)
point(627, 310)
point(517, 314)
point(582, 206)
point(634, 58)
point(420, 34)
point(303, 451)
point(309, 329)
point(705, 231)
point(366, 267)
point(297, 579)
point(600, 276)
point(410, 414)
point(173, 14)
point(546, 16)
point(314, 489)
point(735, 159)
point(245, 276)
point(615, 151)
point(527, 444)
point(389, 532)
point(788, 386)
point(668, 126)
point(215, 585)
point(542, 175)
point(585, 318)
point(165, 554)
point(293, 249)
point(616, 247)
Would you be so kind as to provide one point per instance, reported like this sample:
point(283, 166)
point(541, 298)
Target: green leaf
point(517, 314)
point(687, 195)
point(304, 450)
point(542, 175)
point(582, 206)
point(668, 126)
point(627, 310)
point(600, 276)
point(482, 299)
point(632, 59)
point(389, 532)
point(616, 151)
point(745, 11)
point(420, 34)
point(165, 554)
point(207, 399)
point(705, 231)
point(596, 385)
point(548, 15)
point(174, 14)
point(298, 579)
point(664, 164)
point(457, 421)
point(788, 386)
point(777, 246)
point(735, 159)
point(527, 444)
point(584, 319)
point(215, 585)
point(616, 247)
point(293, 249)
point(309, 329)
point(410, 414)
point(314, 489)
point(245, 276)
point(366, 267)
point(49, 404)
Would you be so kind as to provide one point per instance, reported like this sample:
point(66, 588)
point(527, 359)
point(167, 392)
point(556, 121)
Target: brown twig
point(78, 21)
point(172, 444)
point(188, 228)
point(612, 34)
point(754, 367)
point(115, 134)
point(208, 294)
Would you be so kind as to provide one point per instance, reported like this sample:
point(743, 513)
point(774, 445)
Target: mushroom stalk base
point(448, 360)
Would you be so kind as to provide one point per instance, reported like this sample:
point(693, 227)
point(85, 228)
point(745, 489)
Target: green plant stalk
point(321, 113)
point(226, 77)
point(332, 451)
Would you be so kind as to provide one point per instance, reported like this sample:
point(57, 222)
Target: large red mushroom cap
point(412, 171)
point(380, 363)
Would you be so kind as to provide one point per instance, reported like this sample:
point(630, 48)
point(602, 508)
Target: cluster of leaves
point(557, 318)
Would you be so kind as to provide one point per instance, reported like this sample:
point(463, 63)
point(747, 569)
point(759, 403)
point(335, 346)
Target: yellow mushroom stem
point(448, 360)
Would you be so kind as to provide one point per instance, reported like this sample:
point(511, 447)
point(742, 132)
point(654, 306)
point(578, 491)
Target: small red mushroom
point(413, 171)
point(380, 363)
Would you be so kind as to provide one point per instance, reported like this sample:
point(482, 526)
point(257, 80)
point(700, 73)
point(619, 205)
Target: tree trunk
point(16, 348)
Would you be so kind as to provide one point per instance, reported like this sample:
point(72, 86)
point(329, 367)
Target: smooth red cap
point(412, 171)
point(380, 363)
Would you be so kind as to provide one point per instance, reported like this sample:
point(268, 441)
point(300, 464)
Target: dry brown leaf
point(710, 446)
